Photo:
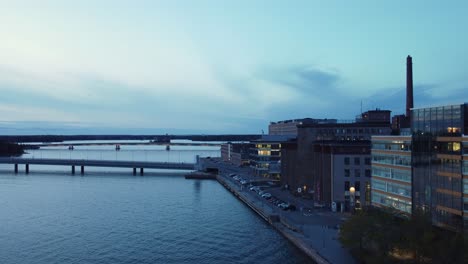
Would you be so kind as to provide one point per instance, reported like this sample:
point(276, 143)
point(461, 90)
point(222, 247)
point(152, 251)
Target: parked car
point(283, 206)
point(243, 182)
point(232, 174)
point(266, 195)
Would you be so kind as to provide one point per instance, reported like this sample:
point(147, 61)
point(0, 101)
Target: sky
point(156, 67)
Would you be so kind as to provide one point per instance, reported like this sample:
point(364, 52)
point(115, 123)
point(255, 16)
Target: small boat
point(168, 147)
point(117, 147)
point(71, 147)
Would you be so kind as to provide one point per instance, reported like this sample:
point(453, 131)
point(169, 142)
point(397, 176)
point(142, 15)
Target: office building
point(391, 172)
point(265, 155)
point(321, 163)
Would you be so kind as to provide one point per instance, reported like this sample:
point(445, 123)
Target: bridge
point(65, 144)
point(97, 163)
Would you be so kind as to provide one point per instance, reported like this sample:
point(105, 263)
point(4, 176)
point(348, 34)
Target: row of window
point(392, 159)
point(269, 146)
point(447, 200)
point(465, 167)
point(357, 185)
point(357, 161)
point(357, 173)
point(390, 187)
point(390, 201)
point(366, 131)
point(396, 174)
point(438, 120)
point(400, 146)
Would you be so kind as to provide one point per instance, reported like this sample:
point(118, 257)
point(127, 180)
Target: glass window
point(367, 161)
point(357, 173)
point(357, 186)
point(346, 186)
point(346, 173)
point(357, 161)
point(378, 185)
point(368, 173)
point(346, 160)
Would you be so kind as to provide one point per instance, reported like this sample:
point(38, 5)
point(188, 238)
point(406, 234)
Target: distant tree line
point(10, 149)
point(376, 236)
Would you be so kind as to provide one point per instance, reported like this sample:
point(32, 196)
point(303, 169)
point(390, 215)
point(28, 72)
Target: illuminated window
point(264, 153)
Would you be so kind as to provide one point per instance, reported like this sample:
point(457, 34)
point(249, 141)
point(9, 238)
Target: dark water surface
point(112, 217)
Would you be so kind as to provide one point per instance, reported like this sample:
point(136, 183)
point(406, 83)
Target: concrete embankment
point(268, 214)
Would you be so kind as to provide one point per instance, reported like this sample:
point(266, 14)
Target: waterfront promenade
point(314, 231)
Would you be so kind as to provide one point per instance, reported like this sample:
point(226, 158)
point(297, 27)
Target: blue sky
point(221, 66)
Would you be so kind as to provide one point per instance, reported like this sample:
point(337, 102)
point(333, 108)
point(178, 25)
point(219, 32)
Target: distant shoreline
point(157, 138)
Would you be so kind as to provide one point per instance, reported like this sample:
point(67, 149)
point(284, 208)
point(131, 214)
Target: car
point(243, 182)
point(232, 174)
point(253, 188)
point(266, 195)
point(292, 207)
point(318, 205)
point(283, 206)
point(277, 202)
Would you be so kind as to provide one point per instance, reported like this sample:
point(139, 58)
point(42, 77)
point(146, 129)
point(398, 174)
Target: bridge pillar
point(27, 168)
point(82, 170)
point(141, 171)
point(16, 168)
point(134, 171)
point(73, 169)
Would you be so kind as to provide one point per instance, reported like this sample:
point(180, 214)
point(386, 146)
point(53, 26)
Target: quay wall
point(287, 230)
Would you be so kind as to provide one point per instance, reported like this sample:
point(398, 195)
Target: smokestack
point(409, 86)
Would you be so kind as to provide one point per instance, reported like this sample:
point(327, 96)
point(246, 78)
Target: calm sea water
point(110, 216)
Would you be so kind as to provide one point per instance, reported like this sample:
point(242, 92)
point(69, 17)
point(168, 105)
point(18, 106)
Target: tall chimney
point(409, 86)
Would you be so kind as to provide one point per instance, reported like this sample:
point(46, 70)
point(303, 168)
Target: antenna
point(361, 106)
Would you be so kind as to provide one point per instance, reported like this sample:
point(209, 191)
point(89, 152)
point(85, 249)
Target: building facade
point(265, 156)
point(427, 170)
point(391, 172)
point(439, 159)
point(236, 153)
point(289, 127)
point(322, 150)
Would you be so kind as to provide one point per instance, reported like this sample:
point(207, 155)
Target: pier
point(82, 163)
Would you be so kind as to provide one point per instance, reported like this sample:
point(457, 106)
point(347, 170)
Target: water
point(110, 216)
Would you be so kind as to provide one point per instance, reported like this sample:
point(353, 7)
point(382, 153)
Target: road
point(319, 226)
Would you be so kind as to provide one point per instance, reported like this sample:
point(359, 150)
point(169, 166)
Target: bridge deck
point(101, 163)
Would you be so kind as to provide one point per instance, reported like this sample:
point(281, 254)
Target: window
point(346, 173)
point(368, 173)
point(346, 186)
point(367, 161)
point(357, 161)
point(357, 173)
point(357, 186)
point(346, 160)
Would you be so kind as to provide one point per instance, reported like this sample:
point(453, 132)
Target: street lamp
point(352, 191)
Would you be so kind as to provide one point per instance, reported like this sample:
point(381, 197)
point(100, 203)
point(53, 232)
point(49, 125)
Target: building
point(440, 164)
point(317, 164)
point(265, 155)
point(391, 172)
point(289, 127)
point(428, 170)
point(236, 153)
